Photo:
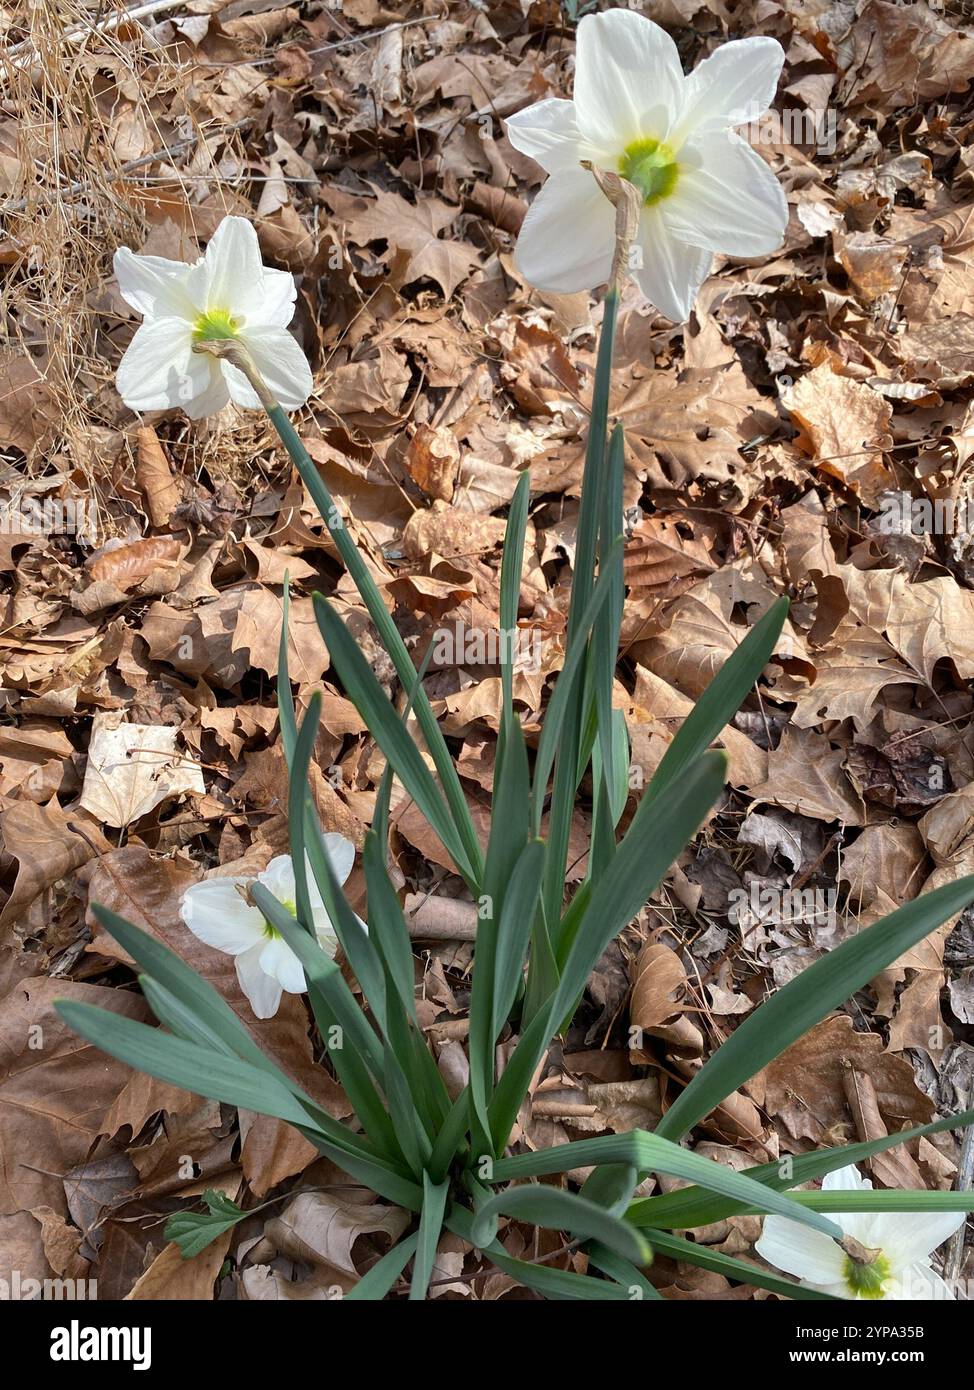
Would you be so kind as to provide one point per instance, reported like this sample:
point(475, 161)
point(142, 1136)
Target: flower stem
point(233, 352)
point(567, 772)
point(627, 200)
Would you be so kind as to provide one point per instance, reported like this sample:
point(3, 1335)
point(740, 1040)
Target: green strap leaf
point(393, 738)
point(510, 588)
point(560, 1210)
point(574, 742)
point(450, 1138)
point(388, 633)
point(297, 797)
point(186, 1064)
point(351, 1044)
point(809, 998)
point(605, 632)
point(651, 1154)
point(623, 1272)
point(196, 994)
point(721, 700)
point(514, 933)
point(374, 1286)
point(200, 1071)
point(740, 1270)
point(691, 1206)
point(891, 1199)
point(556, 1284)
point(324, 978)
point(430, 1226)
point(593, 474)
point(659, 831)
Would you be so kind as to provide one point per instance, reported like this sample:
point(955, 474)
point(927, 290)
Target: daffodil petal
point(160, 371)
point(847, 1179)
point(213, 396)
point(806, 1254)
point(340, 852)
point(670, 272)
point(628, 78)
point(548, 132)
point(865, 1226)
point(836, 1290)
point(218, 915)
point(234, 271)
point(736, 84)
point(154, 286)
point(261, 989)
point(280, 362)
point(911, 1236)
point(726, 199)
point(919, 1283)
point(278, 293)
point(278, 960)
point(278, 878)
point(568, 235)
point(325, 933)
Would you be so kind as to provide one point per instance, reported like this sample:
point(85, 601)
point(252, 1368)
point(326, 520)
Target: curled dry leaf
point(170, 1277)
point(47, 845)
point(271, 1151)
point(659, 984)
point(154, 475)
point(433, 457)
point(124, 566)
point(323, 1229)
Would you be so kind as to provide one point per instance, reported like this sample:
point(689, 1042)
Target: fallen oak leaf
point(845, 427)
point(414, 229)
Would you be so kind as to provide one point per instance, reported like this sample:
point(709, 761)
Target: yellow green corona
point(270, 930)
point(214, 325)
point(866, 1280)
point(651, 167)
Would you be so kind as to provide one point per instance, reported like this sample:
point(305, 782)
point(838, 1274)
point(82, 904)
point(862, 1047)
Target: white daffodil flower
point(227, 293)
point(218, 912)
point(891, 1249)
point(634, 113)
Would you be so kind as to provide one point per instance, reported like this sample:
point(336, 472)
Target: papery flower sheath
point(227, 293)
point(635, 113)
point(219, 913)
point(893, 1261)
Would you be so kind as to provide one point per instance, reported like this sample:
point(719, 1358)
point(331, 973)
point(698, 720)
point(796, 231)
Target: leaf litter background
point(138, 743)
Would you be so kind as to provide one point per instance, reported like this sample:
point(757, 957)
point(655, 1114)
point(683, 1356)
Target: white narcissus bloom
point(897, 1248)
point(634, 113)
point(227, 293)
point(219, 914)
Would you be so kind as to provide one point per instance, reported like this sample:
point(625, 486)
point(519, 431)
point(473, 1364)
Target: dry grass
point(85, 87)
